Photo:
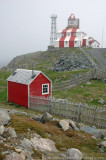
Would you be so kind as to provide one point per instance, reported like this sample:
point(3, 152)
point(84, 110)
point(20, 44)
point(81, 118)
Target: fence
point(74, 81)
point(100, 74)
point(79, 112)
point(93, 74)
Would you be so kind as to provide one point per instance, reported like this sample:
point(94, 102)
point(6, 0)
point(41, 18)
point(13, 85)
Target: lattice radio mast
point(53, 35)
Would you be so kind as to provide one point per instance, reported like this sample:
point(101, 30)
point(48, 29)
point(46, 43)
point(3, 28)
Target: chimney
point(32, 72)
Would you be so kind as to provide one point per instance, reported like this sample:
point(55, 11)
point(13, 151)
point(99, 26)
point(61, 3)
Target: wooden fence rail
point(79, 112)
point(93, 74)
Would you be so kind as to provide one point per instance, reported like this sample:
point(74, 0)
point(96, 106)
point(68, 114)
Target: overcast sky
point(25, 24)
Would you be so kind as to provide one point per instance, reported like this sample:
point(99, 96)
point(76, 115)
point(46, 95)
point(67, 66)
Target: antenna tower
point(53, 35)
point(102, 38)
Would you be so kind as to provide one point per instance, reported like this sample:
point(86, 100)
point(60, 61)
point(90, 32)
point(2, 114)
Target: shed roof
point(23, 76)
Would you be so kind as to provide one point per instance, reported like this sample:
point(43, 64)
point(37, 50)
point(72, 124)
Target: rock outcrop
point(93, 131)
point(2, 128)
point(74, 154)
point(43, 144)
point(9, 132)
point(4, 117)
point(72, 62)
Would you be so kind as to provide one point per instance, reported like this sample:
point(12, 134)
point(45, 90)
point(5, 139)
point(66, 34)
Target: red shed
point(25, 83)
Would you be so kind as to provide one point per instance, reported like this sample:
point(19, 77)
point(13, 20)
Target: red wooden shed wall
point(35, 88)
point(18, 93)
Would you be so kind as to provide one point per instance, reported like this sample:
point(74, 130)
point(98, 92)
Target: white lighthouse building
point(72, 36)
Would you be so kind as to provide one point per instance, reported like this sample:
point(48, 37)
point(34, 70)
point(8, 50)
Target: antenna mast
point(102, 38)
point(53, 35)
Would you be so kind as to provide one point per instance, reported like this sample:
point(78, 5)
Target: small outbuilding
point(25, 83)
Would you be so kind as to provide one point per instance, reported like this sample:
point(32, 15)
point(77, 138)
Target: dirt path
point(97, 53)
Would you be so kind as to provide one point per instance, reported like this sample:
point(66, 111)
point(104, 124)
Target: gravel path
point(97, 53)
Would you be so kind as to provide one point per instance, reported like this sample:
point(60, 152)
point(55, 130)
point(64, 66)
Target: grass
point(3, 85)
point(87, 94)
point(58, 77)
point(84, 93)
point(63, 140)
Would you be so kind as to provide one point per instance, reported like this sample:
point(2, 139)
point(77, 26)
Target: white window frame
point(48, 89)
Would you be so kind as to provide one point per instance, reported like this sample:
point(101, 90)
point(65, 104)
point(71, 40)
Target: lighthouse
point(72, 36)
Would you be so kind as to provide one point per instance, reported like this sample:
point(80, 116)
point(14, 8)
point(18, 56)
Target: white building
point(72, 36)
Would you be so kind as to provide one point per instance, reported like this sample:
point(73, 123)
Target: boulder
point(102, 144)
point(72, 124)
point(103, 131)
point(101, 101)
point(46, 117)
point(1, 139)
point(64, 125)
point(14, 156)
point(93, 131)
point(26, 144)
point(9, 132)
point(4, 117)
point(26, 154)
point(43, 144)
point(2, 128)
point(36, 118)
point(74, 154)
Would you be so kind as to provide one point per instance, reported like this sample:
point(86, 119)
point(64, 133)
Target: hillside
point(45, 60)
point(26, 136)
point(61, 58)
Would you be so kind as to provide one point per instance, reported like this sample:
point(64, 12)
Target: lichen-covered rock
point(102, 144)
point(4, 117)
point(26, 144)
point(74, 154)
point(46, 117)
point(9, 132)
point(14, 156)
point(64, 125)
point(93, 131)
point(43, 144)
point(2, 128)
point(72, 124)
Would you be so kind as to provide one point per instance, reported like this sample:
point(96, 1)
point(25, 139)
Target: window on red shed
point(45, 89)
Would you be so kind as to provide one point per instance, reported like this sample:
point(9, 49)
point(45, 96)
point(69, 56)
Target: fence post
point(94, 116)
point(79, 112)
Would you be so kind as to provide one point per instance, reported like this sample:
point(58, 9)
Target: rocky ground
point(26, 136)
point(72, 62)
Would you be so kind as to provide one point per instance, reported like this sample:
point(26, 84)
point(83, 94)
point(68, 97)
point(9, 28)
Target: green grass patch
point(3, 95)
point(94, 91)
point(58, 77)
